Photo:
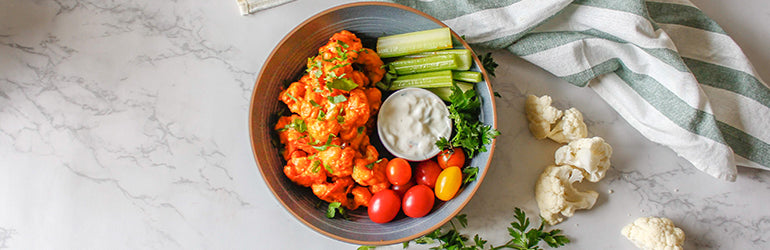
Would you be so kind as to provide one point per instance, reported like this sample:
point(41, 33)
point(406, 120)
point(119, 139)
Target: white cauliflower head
point(541, 115)
point(590, 155)
point(556, 197)
point(651, 233)
point(571, 127)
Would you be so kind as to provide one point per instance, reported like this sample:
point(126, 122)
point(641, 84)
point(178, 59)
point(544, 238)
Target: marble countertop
point(123, 125)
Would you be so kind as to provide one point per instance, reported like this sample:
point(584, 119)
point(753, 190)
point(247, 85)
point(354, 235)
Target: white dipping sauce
point(410, 122)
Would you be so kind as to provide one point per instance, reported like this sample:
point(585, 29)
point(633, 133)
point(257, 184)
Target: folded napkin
point(667, 68)
point(250, 6)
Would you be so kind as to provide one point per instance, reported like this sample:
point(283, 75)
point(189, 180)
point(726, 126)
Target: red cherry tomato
point(401, 189)
point(384, 206)
point(454, 157)
point(398, 171)
point(448, 183)
point(426, 173)
point(418, 201)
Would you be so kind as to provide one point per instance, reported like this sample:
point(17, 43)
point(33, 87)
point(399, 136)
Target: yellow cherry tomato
point(448, 182)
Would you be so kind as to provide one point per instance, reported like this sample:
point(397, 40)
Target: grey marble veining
point(123, 125)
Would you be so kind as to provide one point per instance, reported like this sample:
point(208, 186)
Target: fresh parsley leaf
point(338, 66)
point(292, 97)
point(327, 145)
point(342, 84)
point(463, 219)
point(343, 44)
point(489, 63)
point(337, 99)
point(470, 174)
point(529, 239)
point(315, 167)
point(334, 209)
point(443, 143)
point(470, 133)
point(297, 124)
point(371, 165)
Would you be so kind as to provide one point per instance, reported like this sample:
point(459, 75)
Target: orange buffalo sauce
point(325, 139)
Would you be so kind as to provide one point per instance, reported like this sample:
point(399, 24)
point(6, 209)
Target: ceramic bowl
point(286, 64)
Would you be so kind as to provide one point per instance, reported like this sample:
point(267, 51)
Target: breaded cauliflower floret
point(541, 115)
point(651, 233)
point(590, 155)
point(556, 197)
point(571, 127)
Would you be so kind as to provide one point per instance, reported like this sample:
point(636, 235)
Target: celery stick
point(433, 79)
point(467, 76)
point(465, 59)
point(414, 42)
point(445, 92)
point(424, 64)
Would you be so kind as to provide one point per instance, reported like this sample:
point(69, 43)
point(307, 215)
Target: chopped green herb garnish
point(337, 99)
point(342, 84)
point(321, 115)
point(292, 97)
point(340, 119)
point(315, 167)
point(371, 165)
point(315, 104)
point(360, 129)
point(489, 64)
point(338, 66)
point(327, 145)
point(470, 174)
point(297, 124)
point(334, 209)
point(328, 168)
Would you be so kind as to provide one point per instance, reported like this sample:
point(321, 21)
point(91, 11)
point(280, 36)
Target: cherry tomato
point(426, 173)
point(448, 183)
point(401, 189)
point(418, 201)
point(454, 157)
point(384, 206)
point(398, 171)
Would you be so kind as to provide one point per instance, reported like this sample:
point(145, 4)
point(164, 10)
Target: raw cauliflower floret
point(571, 127)
point(590, 155)
point(541, 115)
point(651, 233)
point(557, 198)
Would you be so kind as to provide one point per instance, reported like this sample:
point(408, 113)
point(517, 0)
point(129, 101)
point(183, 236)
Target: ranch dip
point(410, 122)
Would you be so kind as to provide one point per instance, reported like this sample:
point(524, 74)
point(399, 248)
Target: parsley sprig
point(521, 238)
point(489, 63)
point(334, 209)
point(470, 133)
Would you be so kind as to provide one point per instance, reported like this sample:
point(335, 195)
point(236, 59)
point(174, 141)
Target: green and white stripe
point(667, 68)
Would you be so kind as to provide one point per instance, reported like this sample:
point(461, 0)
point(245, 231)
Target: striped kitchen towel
point(666, 68)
